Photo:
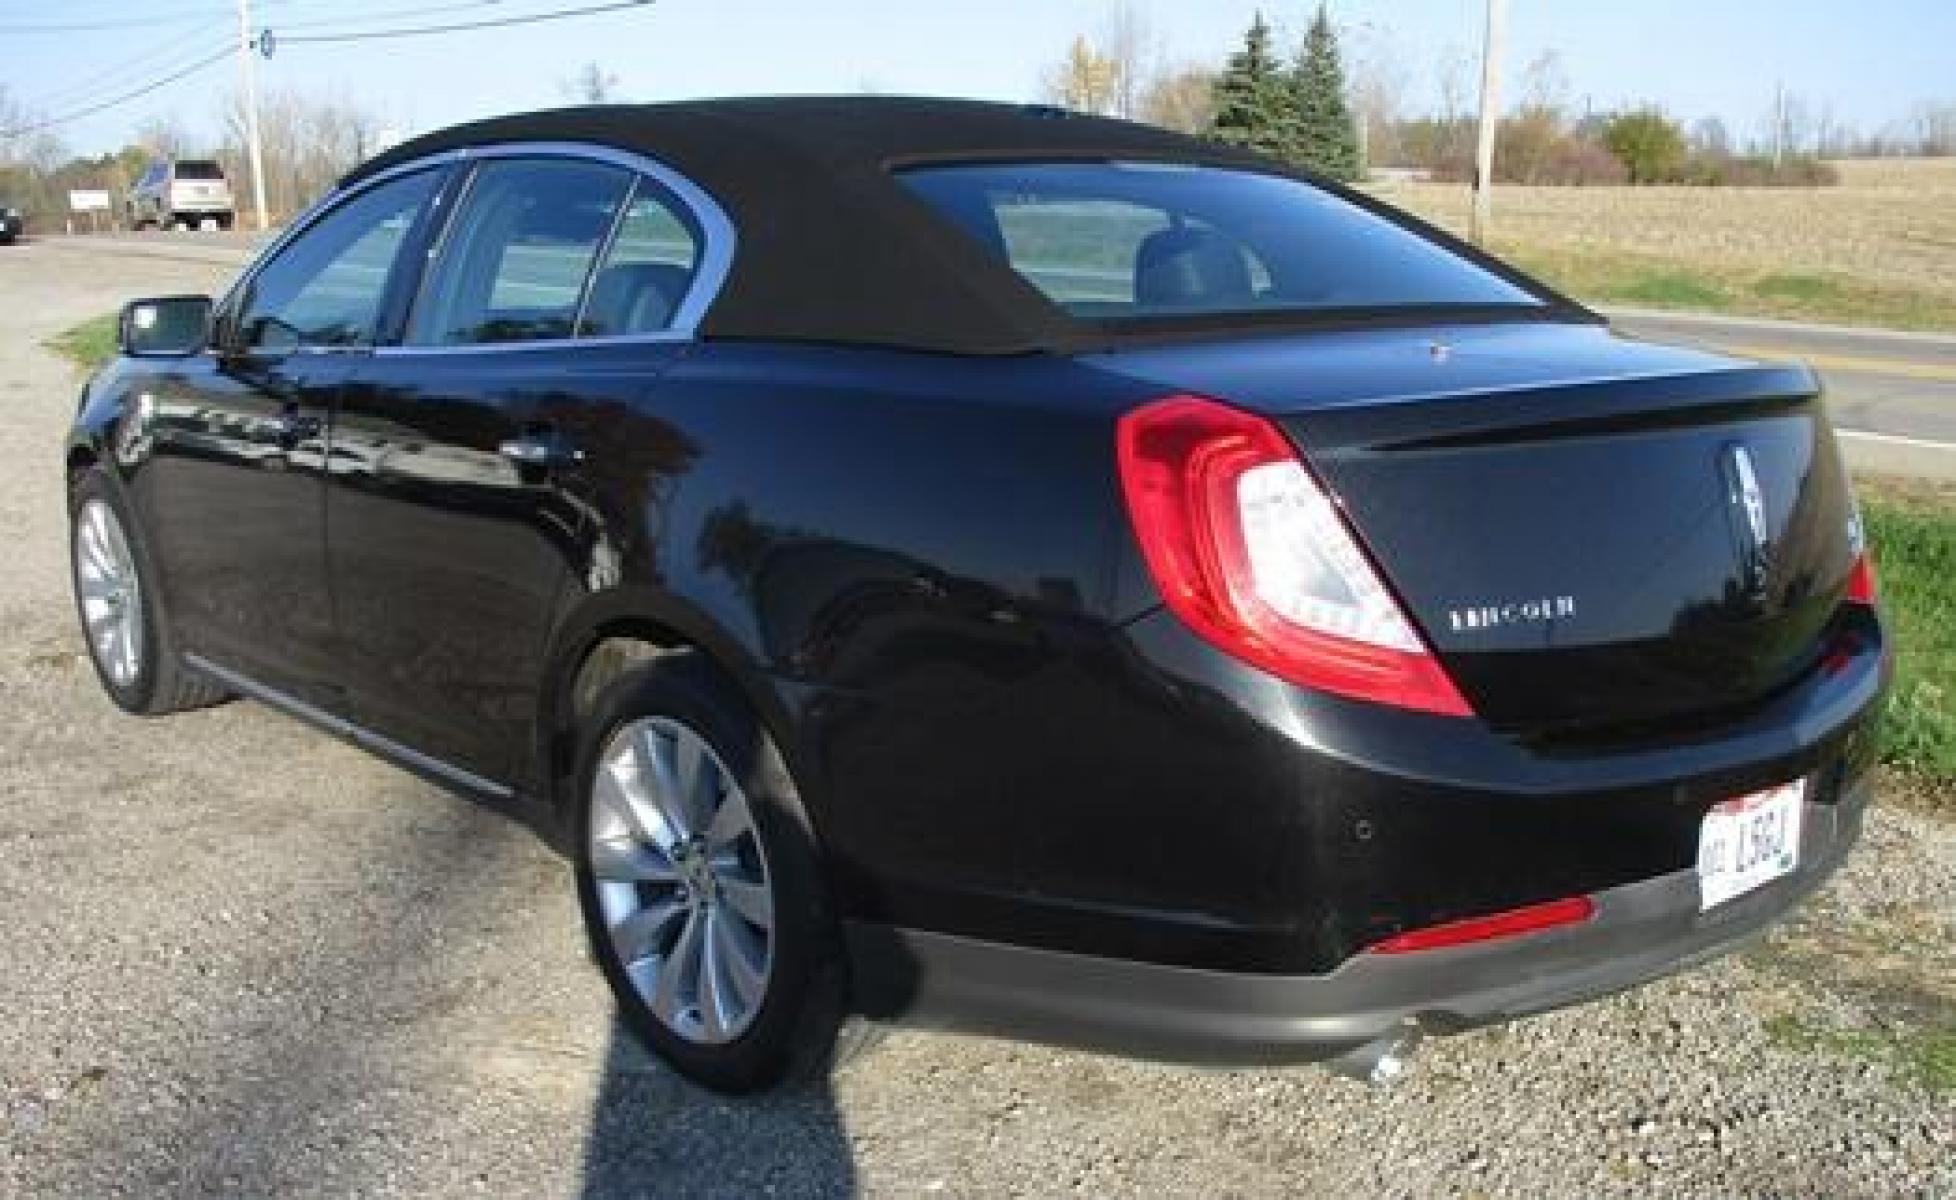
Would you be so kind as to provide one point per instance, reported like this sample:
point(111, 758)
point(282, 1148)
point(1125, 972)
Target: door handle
point(290, 428)
point(541, 448)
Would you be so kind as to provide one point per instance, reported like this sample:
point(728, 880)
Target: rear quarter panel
point(893, 551)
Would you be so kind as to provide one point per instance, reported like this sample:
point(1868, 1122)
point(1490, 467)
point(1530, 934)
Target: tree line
point(1318, 109)
point(308, 143)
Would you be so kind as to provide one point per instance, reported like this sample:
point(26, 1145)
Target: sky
point(1869, 61)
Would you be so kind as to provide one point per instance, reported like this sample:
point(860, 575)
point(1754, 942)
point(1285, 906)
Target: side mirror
point(165, 326)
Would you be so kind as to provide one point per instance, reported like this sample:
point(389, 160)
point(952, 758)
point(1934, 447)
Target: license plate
point(1748, 842)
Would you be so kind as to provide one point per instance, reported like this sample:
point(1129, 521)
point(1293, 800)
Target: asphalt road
point(1892, 394)
point(240, 958)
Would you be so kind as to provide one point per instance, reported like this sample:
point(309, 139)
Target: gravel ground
point(243, 958)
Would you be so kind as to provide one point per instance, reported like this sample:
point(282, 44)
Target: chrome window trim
point(715, 254)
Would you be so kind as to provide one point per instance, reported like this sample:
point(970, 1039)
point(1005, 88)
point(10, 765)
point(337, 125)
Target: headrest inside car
point(1187, 266)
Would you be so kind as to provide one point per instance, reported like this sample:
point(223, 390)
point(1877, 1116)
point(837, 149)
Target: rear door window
point(647, 270)
point(518, 252)
point(201, 172)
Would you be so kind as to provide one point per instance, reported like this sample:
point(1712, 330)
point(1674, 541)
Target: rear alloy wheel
point(702, 886)
point(682, 880)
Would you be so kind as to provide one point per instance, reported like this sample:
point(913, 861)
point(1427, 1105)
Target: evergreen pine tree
point(1252, 109)
point(1323, 136)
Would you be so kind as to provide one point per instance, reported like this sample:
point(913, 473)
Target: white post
point(247, 79)
point(1490, 117)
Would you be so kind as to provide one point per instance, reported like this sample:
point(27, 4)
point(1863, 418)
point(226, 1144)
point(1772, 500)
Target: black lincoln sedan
point(979, 566)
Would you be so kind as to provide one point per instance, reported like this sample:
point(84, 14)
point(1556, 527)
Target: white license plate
point(1748, 842)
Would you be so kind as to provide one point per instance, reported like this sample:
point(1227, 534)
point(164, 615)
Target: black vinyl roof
point(830, 247)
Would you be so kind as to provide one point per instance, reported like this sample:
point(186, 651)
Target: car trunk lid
point(1595, 534)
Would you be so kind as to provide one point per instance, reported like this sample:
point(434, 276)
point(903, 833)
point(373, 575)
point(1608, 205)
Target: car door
point(234, 484)
point(457, 506)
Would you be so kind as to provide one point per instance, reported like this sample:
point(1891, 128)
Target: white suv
point(185, 192)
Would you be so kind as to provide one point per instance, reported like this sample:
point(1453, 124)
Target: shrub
point(1648, 144)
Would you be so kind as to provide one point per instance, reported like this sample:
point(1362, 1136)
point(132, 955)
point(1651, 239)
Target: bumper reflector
point(1532, 919)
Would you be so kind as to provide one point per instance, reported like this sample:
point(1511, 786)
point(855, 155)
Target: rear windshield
point(193, 169)
point(1107, 241)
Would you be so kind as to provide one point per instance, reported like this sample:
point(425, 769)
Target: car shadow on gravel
point(653, 1133)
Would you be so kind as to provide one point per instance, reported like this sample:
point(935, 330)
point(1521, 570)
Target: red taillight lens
point(1861, 581)
point(1252, 554)
point(1533, 919)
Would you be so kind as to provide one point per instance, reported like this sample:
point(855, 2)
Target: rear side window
point(1108, 241)
point(200, 171)
point(647, 270)
point(514, 261)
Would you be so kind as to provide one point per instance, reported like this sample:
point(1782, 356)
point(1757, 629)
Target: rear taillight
point(1861, 581)
point(1252, 554)
point(1532, 919)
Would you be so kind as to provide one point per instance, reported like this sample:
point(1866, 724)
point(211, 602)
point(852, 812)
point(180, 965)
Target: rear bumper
point(1640, 931)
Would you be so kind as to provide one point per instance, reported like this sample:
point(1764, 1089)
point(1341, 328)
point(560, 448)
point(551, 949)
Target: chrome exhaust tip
point(1381, 1060)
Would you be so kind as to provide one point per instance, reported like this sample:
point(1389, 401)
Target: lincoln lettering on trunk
point(1511, 613)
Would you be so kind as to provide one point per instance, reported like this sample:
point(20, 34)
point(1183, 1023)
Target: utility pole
point(248, 87)
point(1497, 12)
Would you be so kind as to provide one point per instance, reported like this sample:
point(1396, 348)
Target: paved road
point(241, 958)
point(1893, 394)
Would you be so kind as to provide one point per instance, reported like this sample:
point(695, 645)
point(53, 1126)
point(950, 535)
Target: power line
point(127, 23)
point(80, 90)
point(355, 18)
point(219, 55)
point(460, 26)
point(229, 48)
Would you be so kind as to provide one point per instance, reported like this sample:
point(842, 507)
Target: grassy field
point(1879, 249)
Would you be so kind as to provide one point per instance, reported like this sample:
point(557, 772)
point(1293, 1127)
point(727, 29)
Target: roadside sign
point(82, 202)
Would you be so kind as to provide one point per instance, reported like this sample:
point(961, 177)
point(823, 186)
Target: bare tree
point(165, 137)
point(1183, 100)
point(1710, 137)
point(1128, 44)
point(308, 143)
point(1544, 83)
point(591, 85)
point(1789, 125)
point(1933, 129)
point(1377, 83)
point(1085, 81)
point(1453, 81)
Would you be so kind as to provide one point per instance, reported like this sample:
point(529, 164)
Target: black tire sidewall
point(794, 1031)
point(138, 695)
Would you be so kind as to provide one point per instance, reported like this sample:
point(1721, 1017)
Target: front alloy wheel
point(681, 879)
point(110, 592)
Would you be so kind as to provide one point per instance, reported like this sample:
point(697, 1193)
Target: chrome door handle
point(540, 449)
point(289, 428)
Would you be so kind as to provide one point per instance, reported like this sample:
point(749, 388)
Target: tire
point(653, 894)
point(120, 613)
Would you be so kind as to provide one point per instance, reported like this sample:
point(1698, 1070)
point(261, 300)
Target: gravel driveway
point(240, 957)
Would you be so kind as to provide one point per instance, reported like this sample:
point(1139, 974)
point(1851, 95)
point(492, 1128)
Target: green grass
point(1914, 543)
point(1601, 276)
point(1929, 1055)
point(89, 344)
